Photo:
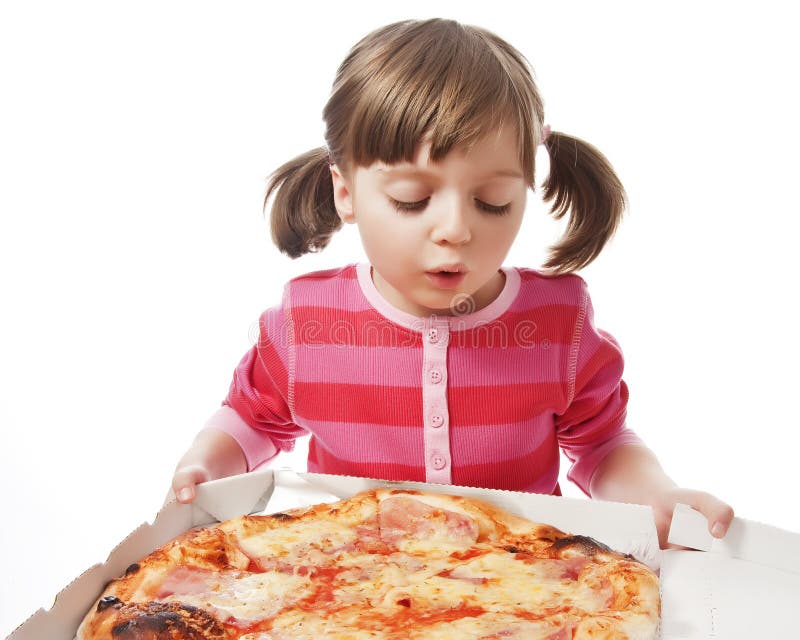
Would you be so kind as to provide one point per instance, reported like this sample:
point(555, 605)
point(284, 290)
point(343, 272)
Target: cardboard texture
point(719, 594)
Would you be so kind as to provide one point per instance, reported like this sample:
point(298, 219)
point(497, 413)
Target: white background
point(135, 142)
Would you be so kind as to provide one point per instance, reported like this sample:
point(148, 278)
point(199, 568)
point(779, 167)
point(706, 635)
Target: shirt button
point(438, 461)
point(436, 376)
point(433, 336)
point(437, 421)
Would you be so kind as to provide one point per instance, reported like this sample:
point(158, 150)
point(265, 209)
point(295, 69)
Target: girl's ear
point(342, 195)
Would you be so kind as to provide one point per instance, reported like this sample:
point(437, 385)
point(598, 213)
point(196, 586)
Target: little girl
point(433, 362)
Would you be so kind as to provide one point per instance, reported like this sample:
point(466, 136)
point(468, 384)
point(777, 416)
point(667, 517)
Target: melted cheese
point(476, 583)
point(250, 597)
point(296, 537)
point(375, 593)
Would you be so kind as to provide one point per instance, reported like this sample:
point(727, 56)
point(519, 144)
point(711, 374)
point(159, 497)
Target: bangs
point(449, 83)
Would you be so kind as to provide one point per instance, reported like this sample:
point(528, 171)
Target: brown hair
point(453, 83)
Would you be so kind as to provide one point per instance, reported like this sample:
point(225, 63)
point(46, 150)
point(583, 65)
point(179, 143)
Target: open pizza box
point(742, 587)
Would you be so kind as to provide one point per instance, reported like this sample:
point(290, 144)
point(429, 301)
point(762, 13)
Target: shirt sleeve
point(593, 424)
point(260, 392)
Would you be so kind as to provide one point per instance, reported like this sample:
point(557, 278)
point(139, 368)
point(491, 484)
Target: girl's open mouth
point(445, 279)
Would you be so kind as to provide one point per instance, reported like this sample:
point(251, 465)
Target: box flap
point(219, 500)
point(745, 540)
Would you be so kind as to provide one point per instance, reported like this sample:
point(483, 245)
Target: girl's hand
point(214, 454)
point(632, 473)
point(718, 514)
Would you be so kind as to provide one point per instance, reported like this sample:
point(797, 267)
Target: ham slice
point(403, 517)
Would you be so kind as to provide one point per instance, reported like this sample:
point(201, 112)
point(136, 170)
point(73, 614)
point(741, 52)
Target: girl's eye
point(419, 205)
point(498, 210)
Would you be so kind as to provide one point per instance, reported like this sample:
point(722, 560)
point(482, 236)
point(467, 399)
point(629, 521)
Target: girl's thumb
point(185, 480)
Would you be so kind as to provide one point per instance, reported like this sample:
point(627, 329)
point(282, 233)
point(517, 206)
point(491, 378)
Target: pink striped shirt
point(483, 399)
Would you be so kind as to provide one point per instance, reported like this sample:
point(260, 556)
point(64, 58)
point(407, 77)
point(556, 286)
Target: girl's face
point(416, 218)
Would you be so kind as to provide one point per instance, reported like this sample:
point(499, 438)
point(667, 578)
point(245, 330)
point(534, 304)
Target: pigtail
point(583, 182)
point(303, 216)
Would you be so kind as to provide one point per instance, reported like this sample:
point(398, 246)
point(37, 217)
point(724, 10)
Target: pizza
point(386, 563)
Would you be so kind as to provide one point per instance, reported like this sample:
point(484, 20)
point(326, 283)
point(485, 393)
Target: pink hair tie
point(545, 134)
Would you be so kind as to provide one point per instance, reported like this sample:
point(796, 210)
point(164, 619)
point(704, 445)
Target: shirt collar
point(490, 312)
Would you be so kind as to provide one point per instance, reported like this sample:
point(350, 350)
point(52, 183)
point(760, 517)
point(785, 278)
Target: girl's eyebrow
point(414, 171)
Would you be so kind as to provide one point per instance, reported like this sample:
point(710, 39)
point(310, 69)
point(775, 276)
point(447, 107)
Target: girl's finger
point(718, 513)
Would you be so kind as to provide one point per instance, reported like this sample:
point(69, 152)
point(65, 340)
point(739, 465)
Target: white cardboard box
point(725, 593)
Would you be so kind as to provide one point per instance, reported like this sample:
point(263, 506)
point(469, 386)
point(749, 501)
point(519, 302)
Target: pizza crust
point(385, 563)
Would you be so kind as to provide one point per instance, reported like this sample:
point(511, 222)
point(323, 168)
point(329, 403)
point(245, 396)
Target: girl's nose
point(452, 224)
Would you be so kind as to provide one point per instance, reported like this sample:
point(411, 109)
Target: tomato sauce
point(261, 625)
point(409, 617)
point(540, 614)
point(468, 554)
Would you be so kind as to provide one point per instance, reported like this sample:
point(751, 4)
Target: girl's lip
point(442, 281)
point(450, 268)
